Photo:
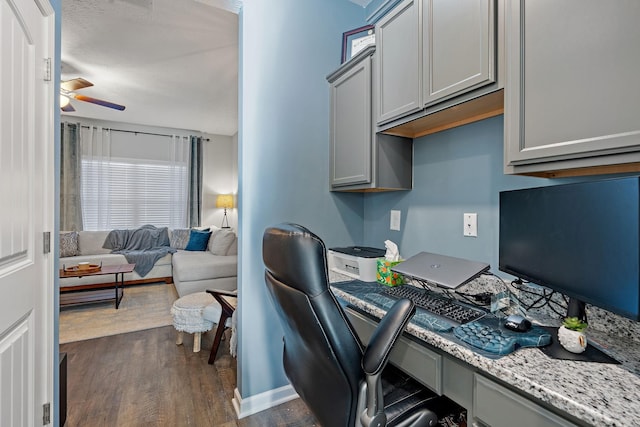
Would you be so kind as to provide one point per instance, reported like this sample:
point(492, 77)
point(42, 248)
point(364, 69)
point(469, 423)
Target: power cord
point(482, 299)
point(543, 300)
point(479, 300)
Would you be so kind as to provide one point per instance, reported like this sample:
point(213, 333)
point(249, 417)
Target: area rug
point(142, 307)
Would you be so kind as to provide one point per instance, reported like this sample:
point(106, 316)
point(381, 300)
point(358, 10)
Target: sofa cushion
point(69, 243)
point(221, 241)
point(180, 238)
point(189, 266)
point(198, 240)
point(90, 242)
point(233, 249)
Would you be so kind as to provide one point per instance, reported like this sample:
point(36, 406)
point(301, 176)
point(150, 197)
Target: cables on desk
point(543, 300)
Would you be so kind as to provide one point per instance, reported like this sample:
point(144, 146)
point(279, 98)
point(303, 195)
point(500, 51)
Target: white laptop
point(441, 270)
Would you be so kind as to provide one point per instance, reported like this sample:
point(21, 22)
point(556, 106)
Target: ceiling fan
point(67, 89)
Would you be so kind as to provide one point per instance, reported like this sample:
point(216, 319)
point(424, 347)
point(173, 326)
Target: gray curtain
point(195, 182)
point(70, 169)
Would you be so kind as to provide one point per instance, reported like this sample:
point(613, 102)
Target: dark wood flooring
point(145, 379)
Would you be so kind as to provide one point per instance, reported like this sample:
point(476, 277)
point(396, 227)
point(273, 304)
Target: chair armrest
point(385, 336)
point(223, 292)
point(376, 356)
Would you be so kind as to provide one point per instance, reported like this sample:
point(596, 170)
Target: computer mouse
point(517, 323)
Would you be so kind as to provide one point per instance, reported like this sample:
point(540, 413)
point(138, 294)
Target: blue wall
point(456, 171)
point(287, 49)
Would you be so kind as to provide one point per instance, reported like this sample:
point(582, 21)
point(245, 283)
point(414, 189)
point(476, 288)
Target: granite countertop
point(597, 393)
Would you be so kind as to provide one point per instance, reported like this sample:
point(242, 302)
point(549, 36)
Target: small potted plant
point(571, 334)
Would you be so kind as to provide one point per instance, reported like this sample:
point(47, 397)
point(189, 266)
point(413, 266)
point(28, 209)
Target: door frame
point(51, 116)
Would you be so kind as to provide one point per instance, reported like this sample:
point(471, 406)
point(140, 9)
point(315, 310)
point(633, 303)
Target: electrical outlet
point(395, 221)
point(470, 225)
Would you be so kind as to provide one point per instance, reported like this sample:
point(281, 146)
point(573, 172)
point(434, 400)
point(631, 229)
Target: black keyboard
point(446, 307)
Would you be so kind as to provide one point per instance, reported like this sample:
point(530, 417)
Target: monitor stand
point(575, 308)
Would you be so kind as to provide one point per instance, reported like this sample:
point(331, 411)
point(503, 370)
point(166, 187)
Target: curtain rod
point(138, 131)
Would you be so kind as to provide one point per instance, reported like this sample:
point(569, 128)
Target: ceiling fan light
point(64, 101)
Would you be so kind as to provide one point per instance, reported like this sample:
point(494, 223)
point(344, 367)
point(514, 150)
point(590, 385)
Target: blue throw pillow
point(198, 240)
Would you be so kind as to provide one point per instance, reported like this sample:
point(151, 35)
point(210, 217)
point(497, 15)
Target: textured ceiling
point(172, 63)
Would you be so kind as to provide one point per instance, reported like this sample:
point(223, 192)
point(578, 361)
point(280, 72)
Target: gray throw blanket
point(141, 246)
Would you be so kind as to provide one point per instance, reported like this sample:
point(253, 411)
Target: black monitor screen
point(579, 239)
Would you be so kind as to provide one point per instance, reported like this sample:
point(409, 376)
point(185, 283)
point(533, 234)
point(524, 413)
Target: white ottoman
point(212, 313)
point(188, 317)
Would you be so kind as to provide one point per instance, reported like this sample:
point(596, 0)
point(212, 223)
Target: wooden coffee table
point(81, 294)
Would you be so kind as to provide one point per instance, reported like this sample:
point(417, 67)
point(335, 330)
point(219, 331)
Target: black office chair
point(341, 383)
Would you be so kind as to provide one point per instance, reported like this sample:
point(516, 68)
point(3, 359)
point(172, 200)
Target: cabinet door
point(351, 127)
point(398, 48)
point(572, 85)
point(498, 407)
point(458, 47)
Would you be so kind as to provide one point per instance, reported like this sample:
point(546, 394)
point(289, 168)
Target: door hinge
point(46, 414)
point(47, 69)
point(46, 242)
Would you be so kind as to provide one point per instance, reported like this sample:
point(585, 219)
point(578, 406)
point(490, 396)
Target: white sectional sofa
point(199, 271)
point(214, 268)
point(191, 271)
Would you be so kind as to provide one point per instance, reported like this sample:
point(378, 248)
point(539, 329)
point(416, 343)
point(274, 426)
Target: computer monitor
point(580, 239)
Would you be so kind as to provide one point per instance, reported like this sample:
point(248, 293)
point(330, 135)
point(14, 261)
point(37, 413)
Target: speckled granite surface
point(597, 393)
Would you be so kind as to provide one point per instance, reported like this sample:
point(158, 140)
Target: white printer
point(357, 262)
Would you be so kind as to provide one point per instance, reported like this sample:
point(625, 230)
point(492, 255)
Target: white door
point(26, 211)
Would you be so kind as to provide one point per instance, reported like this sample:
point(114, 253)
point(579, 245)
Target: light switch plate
point(395, 220)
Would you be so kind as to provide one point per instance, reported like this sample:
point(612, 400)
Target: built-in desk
point(525, 388)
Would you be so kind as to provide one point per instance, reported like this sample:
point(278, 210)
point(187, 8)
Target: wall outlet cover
point(395, 220)
point(470, 225)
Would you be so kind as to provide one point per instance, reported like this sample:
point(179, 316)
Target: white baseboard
point(259, 402)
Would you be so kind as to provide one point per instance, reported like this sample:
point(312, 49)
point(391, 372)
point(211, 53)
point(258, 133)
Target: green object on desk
point(385, 276)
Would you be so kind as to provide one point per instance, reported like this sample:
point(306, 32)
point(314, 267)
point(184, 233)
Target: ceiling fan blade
point(99, 102)
point(75, 84)
point(68, 108)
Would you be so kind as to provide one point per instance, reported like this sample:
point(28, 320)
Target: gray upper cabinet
point(351, 127)
point(398, 47)
point(572, 87)
point(458, 39)
point(431, 51)
point(361, 160)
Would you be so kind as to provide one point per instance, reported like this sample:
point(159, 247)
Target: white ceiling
point(172, 63)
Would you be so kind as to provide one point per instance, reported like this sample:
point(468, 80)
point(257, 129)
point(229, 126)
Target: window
point(128, 193)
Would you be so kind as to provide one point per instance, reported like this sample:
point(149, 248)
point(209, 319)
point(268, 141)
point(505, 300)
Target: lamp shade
point(224, 201)
point(64, 101)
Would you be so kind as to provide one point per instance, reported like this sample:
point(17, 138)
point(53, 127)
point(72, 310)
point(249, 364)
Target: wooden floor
point(145, 379)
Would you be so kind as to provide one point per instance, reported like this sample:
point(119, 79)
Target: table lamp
point(224, 201)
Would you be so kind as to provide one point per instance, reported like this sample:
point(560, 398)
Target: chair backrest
point(322, 353)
